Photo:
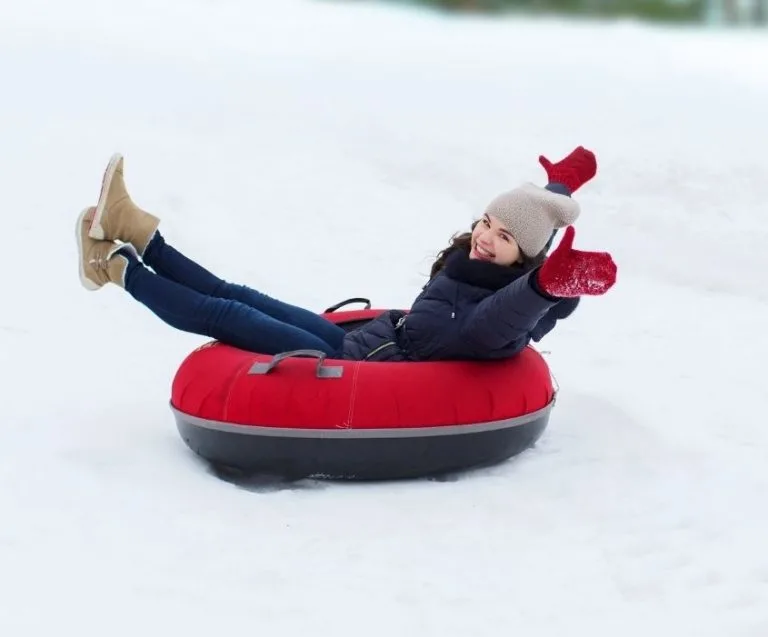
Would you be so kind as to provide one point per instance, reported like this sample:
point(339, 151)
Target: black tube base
point(363, 458)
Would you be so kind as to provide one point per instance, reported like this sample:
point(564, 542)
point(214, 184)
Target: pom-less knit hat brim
point(532, 213)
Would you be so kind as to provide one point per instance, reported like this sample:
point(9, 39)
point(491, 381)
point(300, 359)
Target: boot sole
point(87, 283)
point(96, 230)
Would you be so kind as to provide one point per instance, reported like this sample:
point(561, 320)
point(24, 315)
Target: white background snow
point(319, 151)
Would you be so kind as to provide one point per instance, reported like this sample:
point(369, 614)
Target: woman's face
point(491, 241)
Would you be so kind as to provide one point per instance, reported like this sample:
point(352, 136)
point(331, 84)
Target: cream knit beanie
point(531, 214)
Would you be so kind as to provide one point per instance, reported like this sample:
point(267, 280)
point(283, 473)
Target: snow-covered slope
point(320, 151)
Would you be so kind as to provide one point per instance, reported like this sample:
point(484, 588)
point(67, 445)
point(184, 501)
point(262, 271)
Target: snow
point(323, 150)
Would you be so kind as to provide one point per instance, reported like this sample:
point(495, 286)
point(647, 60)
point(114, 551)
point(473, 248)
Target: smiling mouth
point(483, 254)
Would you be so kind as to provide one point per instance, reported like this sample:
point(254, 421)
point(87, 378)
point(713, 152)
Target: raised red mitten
point(569, 273)
point(574, 171)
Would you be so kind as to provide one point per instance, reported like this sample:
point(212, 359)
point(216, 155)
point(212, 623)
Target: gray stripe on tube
point(345, 432)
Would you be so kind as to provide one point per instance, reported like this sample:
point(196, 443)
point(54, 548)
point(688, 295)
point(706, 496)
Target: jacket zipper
point(380, 348)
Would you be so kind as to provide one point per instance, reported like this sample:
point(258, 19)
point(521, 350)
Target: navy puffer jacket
point(471, 310)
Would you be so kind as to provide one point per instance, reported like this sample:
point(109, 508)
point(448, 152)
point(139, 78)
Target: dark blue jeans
point(189, 298)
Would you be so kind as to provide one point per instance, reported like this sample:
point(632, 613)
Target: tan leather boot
point(117, 217)
point(97, 262)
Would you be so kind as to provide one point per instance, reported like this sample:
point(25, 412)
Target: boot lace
point(100, 262)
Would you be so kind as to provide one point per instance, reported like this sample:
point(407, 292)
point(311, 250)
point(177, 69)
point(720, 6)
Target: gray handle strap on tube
point(321, 371)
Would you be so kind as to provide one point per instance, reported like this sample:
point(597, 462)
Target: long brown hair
point(463, 241)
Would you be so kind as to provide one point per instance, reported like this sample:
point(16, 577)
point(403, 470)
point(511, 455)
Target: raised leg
point(226, 320)
point(173, 265)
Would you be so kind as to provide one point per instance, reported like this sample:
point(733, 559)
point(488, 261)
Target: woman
point(490, 292)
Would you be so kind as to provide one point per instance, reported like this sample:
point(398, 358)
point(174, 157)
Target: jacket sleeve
point(563, 309)
point(506, 317)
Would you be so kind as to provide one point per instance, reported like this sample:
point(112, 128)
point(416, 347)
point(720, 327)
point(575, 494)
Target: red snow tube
point(300, 414)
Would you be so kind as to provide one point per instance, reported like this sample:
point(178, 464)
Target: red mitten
point(574, 171)
point(568, 272)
